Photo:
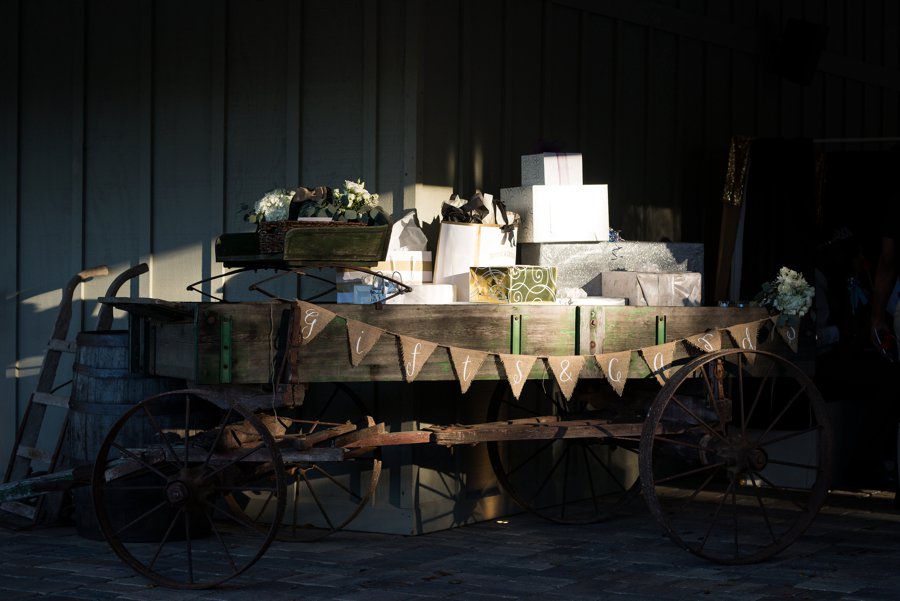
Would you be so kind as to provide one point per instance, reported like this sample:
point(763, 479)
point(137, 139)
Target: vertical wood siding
point(134, 131)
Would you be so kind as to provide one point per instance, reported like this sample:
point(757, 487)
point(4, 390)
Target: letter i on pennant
point(362, 337)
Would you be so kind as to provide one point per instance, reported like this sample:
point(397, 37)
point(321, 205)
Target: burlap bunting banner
point(745, 334)
point(615, 367)
point(659, 359)
point(309, 320)
point(362, 337)
point(788, 333)
point(566, 370)
point(517, 368)
point(414, 353)
point(706, 342)
point(466, 362)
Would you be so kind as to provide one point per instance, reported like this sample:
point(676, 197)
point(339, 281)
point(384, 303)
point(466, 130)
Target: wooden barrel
point(103, 389)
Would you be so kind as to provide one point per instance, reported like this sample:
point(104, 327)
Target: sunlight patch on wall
point(386, 201)
point(45, 301)
point(26, 367)
point(428, 201)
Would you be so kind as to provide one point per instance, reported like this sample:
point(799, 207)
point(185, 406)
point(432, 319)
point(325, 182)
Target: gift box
point(426, 294)
point(579, 264)
point(653, 289)
point(414, 266)
point(359, 294)
point(362, 288)
point(570, 213)
point(514, 284)
point(405, 266)
point(408, 266)
point(552, 169)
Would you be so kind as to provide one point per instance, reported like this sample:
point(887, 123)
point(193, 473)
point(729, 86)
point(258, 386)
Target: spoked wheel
point(326, 496)
point(565, 480)
point(161, 479)
point(735, 455)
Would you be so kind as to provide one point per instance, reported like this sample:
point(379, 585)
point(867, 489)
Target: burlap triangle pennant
point(414, 353)
point(615, 367)
point(517, 368)
point(362, 337)
point(309, 320)
point(659, 360)
point(790, 335)
point(745, 334)
point(466, 362)
point(566, 370)
point(706, 342)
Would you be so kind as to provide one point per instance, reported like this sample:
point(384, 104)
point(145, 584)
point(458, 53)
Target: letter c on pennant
point(609, 371)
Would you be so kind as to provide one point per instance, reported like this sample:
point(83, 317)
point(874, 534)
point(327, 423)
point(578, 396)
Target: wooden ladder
point(25, 450)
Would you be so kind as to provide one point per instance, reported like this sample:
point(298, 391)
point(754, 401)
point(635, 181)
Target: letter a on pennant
point(362, 337)
point(659, 359)
point(414, 354)
point(517, 368)
point(615, 367)
point(566, 370)
point(309, 320)
point(466, 362)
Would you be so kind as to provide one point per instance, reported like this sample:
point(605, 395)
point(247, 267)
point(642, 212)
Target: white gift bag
point(464, 245)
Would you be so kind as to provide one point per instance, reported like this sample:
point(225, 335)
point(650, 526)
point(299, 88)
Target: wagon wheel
point(735, 455)
point(325, 497)
point(568, 481)
point(159, 484)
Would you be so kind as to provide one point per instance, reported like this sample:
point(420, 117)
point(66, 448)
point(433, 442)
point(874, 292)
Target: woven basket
point(271, 233)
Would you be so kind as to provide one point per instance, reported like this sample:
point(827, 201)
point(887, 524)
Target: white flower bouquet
point(273, 206)
point(789, 294)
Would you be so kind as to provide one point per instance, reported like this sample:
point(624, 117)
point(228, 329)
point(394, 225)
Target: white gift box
point(560, 213)
point(642, 289)
point(552, 169)
point(406, 266)
point(425, 294)
point(414, 266)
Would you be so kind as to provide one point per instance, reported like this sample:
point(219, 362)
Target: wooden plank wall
point(134, 131)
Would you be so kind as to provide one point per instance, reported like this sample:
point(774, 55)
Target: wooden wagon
point(718, 429)
point(731, 453)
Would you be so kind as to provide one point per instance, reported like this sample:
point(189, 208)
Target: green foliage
point(337, 209)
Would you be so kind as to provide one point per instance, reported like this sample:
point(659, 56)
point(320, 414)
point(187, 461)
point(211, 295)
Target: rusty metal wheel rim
point(193, 483)
point(730, 508)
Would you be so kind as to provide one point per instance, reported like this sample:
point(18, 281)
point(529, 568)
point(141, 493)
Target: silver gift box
point(643, 289)
point(579, 264)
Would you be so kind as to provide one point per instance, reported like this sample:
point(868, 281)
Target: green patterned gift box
point(514, 284)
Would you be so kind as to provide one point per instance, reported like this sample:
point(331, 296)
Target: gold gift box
point(514, 284)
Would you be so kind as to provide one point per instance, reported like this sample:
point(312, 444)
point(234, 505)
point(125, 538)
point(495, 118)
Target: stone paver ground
point(851, 552)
